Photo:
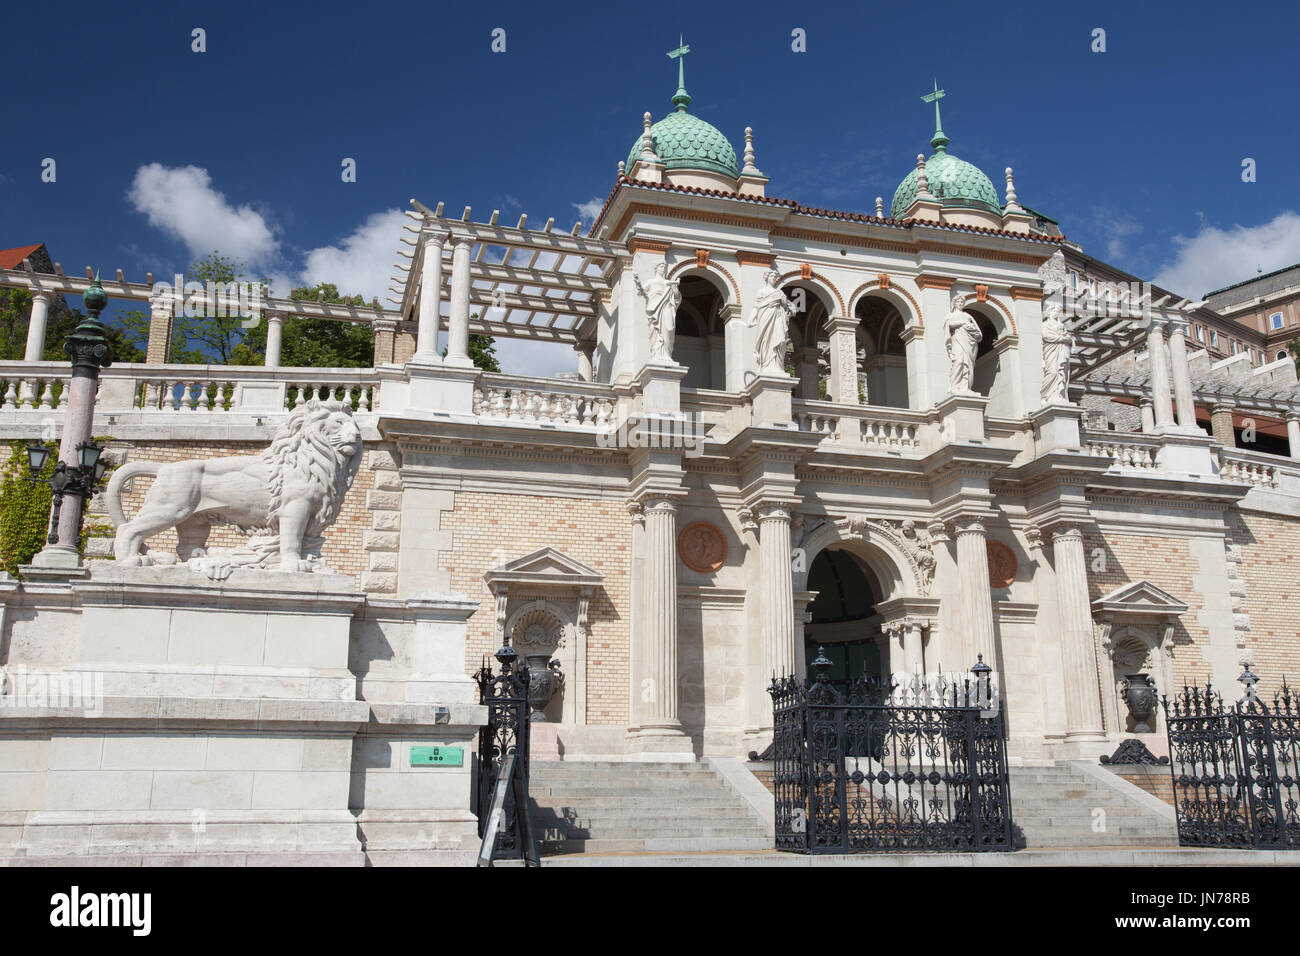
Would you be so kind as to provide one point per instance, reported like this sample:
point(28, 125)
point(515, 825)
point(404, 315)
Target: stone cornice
point(935, 282)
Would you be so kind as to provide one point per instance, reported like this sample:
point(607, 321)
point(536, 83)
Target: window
point(1214, 338)
point(1281, 354)
point(1200, 333)
point(1233, 347)
point(1275, 320)
point(1074, 280)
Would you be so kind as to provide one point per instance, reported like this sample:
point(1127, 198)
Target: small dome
point(953, 181)
point(683, 141)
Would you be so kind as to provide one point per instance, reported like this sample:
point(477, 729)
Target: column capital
point(774, 511)
point(1178, 324)
point(968, 524)
point(748, 520)
point(278, 317)
point(636, 511)
point(462, 242)
point(40, 295)
point(842, 323)
point(1156, 325)
point(1291, 415)
point(1067, 532)
point(434, 238)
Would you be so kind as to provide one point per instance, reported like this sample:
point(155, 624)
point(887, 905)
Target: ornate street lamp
point(80, 467)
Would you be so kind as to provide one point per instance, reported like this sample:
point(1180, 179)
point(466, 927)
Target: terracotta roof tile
point(13, 258)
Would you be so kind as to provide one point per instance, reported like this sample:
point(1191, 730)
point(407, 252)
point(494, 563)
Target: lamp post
point(79, 465)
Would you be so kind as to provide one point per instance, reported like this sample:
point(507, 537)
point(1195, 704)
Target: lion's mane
point(302, 447)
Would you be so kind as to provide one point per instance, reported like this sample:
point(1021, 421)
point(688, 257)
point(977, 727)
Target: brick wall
point(489, 529)
point(1270, 569)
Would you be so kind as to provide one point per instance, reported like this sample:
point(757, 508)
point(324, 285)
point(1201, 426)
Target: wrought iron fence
point(505, 736)
point(879, 768)
point(1236, 767)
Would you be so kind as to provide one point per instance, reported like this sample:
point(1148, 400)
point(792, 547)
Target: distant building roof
point(13, 258)
point(1261, 285)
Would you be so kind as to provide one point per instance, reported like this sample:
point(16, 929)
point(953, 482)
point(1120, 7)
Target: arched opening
point(882, 354)
point(809, 343)
point(843, 615)
point(699, 345)
point(987, 360)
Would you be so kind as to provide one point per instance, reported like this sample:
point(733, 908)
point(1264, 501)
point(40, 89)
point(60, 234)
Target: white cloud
point(589, 210)
point(1214, 257)
point(361, 262)
point(182, 203)
point(524, 357)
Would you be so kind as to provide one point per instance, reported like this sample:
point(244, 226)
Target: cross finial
point(939, 142)
point(681, 99)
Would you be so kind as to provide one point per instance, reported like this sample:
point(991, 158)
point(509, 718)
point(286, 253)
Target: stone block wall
point(488, 529)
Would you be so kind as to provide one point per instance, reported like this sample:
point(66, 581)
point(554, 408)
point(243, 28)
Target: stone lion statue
point(285, 497)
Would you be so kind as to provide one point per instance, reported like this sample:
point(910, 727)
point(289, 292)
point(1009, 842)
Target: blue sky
point(163, 153)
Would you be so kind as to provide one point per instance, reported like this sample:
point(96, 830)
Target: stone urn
point(1139, 695)
point(544, 681)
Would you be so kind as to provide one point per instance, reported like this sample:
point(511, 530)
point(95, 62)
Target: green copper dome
point(683, 141)
point(953, 181)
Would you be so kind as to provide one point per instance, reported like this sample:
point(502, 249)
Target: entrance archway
point(699, 342)
point(843, 620)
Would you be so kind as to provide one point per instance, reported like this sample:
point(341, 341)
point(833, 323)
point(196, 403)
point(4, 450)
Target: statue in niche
point(1057, 345)
point(964, 337)
point(772, 312)
point(662, 297)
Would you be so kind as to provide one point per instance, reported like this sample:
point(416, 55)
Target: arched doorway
point(883, 361)
point(843, 615)
point(808, 337)
point(699, 346)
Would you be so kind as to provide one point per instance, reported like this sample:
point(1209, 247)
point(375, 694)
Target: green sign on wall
point(437, 756)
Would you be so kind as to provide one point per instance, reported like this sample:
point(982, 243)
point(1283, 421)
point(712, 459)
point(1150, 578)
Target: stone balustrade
point(895, 429)
point(39, 385)
point(1248, 469)
point(1129, 451)
point(544, 401)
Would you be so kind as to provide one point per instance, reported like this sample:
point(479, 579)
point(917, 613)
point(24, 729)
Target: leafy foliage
point(24, 507)
point(15, 316)
point(314, 343)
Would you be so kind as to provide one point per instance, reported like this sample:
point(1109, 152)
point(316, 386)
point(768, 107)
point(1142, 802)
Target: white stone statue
point(662, 297)
point(964, 337)
point(285, 497)
point(771, 313)
point(1057, 345)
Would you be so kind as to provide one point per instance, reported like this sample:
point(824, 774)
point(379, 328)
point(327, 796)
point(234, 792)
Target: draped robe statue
point(771, 313)
point(964, 337)
point(1057, 345)
point(662, 297)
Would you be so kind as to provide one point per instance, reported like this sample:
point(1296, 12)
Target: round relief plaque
point(702, 547)
point(1002, 564)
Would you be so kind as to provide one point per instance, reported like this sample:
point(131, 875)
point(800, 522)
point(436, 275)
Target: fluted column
point(913, 642)
point(659, 605)
point(1160, 396)
point(1078, 650)
point(778, 589)
point(426, 335)
point(973, 590)
point(36, 326)
point(1182, 374)
point(274, 338)
point(458, 320)
point(844, 360)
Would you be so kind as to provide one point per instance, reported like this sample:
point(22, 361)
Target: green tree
point(197, 339)
point(483, 352)
point(314, 343)
point(1294, 348)
point(15, 316)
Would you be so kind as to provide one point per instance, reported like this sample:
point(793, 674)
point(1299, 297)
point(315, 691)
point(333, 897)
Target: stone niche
point(541, 602)
point(1135, 625)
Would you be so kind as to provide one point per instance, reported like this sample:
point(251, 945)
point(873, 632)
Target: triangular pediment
point(1140, 597)
point(545, 566)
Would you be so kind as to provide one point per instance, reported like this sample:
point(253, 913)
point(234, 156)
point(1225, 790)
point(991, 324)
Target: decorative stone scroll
point(912, 540)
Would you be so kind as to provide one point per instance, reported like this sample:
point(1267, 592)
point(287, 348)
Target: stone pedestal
point(772, 397)
point(1187, 454)
point(1057, 428)
point(441, 388)
point(661, 388)
point(223, 724)
point(544, 741)
point(961, 417)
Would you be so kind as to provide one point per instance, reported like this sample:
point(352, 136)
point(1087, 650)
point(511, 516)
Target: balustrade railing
point(1136, 452)
point(896, 429)
point(1246, 468)
point(544, 401)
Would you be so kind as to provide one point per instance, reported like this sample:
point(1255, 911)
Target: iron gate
point(873, 768)
point(1235, 767)
point(504, 736)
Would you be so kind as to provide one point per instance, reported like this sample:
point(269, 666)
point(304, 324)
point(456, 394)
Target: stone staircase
point(597, 807)
point(1055, 808)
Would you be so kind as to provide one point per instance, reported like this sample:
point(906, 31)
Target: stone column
point(586, 351)
point(1159, 358)
point(975, 597)
point(913, 644)
point(274, 336)
point(1293, 434)
point(426, 336)
point(734, 347)
point(36, 326)
point(843, 386)
point(458, 320)
point(1221, 424)
point(808, 377)
point(160, 330)
point(1182, 374)
point(1148, 415)
point(778, 589)
point(659, 606)
point(1078, 649)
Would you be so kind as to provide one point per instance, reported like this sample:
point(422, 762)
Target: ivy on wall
point(24, 507)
